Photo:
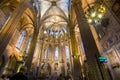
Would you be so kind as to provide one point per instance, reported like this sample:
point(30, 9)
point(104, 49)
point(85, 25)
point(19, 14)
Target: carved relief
point(113, 59)
point(111, 41)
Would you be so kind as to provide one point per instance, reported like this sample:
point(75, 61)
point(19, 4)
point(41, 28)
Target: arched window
point(28, 45)
point(47, 51)
point(20, 40)
point(56, 53)
point(67, 52)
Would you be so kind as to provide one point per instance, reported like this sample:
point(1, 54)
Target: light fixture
point(95, 12)
point(89, 20)
point(45, 32)
point(100, 15)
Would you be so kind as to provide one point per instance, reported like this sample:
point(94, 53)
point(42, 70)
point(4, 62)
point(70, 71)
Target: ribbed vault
point(54, 19)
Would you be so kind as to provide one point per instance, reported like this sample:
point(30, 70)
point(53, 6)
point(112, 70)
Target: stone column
point(70, 57)
point(41, 47)
point(64, 59)
point(52, 58)
point(96, 69)
point(31, 50)
point(75, 54)
point(10, 26)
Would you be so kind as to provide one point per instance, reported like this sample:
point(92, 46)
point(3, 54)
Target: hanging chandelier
point(95, 12)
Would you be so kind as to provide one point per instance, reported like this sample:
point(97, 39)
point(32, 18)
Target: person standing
point(20, 75)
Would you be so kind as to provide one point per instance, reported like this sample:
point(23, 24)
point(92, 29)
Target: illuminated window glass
point(45, 56)
point(28, 45)
point(20, 40)
point(51, 32)
point(56, 53)
point(67, 51)
point(47, 51)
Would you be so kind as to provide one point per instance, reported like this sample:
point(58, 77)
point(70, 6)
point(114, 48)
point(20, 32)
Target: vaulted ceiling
point(54, 15)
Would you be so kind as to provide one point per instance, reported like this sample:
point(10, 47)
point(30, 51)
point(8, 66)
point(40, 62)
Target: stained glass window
point(56, 53)
point(67, 52)
point(20, 40)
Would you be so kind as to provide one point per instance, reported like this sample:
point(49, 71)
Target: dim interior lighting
point(56, 36)
point(99, 15)
point(102, 8)
point(95, 20)
point(45, 32)
point(89, 20)
point(76, 56)
point(93, 14)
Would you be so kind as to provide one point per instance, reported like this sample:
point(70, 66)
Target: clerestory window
point(20, 40)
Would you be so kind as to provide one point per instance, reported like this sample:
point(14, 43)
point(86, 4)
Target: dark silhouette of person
point(3, 77)
point(20, 75)
point(69, 77)
point(61, 77)
point(54, 76)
